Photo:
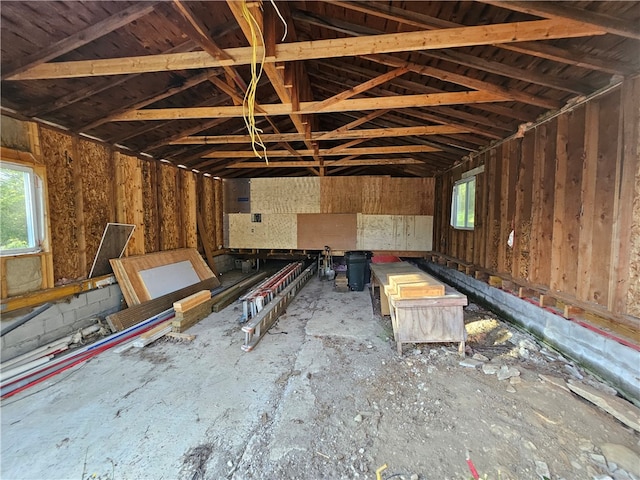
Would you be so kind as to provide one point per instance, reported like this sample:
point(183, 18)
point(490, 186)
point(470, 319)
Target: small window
point(463, 204)
point(21, 209)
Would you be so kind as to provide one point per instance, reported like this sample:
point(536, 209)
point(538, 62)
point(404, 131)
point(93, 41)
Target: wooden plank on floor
point(137, 313)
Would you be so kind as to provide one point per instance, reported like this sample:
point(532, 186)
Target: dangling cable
point(249, 103)
point(281, 18)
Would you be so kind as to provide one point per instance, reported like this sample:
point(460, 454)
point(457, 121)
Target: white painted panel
point(168, 278)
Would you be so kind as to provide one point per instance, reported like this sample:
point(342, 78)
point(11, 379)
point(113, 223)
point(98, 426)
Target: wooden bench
point(422, 309)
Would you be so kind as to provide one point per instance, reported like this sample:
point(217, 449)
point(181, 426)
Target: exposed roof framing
point(355, 87)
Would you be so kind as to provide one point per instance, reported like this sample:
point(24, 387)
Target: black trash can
point(358, 271)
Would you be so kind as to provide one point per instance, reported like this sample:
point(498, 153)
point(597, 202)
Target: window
point(463, 203)
point(21, 209)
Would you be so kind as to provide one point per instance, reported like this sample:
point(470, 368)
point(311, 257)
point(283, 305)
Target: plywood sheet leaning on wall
point(129, 199)
point(338, 231)
point(57, 155)
point(285, 195)
point(140, 277)
point(96, 168)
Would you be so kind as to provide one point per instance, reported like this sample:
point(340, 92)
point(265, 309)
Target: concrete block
point(14, 350)
point(53, 323)
point(69, 318)
point(97, 295)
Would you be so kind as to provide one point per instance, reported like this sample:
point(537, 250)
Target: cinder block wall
point(224, 263)
point(61, 319)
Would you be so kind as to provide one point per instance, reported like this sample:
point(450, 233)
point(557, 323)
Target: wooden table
point(423, 319)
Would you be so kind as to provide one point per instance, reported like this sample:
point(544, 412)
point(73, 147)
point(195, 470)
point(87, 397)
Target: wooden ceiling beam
point(328, 48)
point(529, 76)
point(97, 86)
point(562, 10)
point(469, 82)
point(188, 83)
point(329, 163)
point(317, 136)
point(571, 56)
point(363, 87)
point(199, 35)
point(352, 104)
point(341, 150)
point(567, 56)
point(78, 39)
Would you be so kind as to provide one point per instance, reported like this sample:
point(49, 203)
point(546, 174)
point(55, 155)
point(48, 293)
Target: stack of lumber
point(191, 310)
point(413, 285)
point(341, 283)
point(154, 334)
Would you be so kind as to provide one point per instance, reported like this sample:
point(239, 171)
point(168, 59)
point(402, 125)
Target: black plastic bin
point(358, 270)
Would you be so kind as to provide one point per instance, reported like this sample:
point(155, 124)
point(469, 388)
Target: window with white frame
point(21, 209)
point(463, 203)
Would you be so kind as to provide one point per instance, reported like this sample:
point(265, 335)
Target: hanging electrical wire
point(249, 103)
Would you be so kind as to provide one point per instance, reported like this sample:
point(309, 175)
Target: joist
point(349, 105)
point(192, 301)
point(402, 149)
point(315, 49)
point(422, 130)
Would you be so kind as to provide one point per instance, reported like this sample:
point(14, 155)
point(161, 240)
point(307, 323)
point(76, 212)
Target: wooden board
point(137, 313)
point(338, 231)
point(191, 301)
point(285, 195)
point(127, 271)
point(414, 285)
point(282, 230)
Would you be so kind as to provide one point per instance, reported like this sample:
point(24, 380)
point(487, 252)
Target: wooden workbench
point(426, 319)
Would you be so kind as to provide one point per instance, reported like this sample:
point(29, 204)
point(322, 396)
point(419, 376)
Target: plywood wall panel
point(282, 230)
point(168, 209)
point(243, 233)
point(188, 208)
point(285, 195)
point(377, 232)
point(342, 194)
point(98, 194)
point(129, 200)
point(522, 215)
point(338, 231)
point(150, 206)
point(419, 233)
point(57, 155)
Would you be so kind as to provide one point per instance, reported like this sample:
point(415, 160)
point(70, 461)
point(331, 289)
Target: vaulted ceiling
point(403, 88)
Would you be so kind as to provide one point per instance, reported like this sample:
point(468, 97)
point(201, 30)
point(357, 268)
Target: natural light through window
point(463, 204)
point(21, 222)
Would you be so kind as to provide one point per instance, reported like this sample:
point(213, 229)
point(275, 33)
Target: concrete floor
point(135, 415)
point(323, 396)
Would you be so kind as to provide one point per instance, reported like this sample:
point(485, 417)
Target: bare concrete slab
point(323, 396)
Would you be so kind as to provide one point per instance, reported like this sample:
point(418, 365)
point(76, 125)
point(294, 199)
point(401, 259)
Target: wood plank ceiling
point(385, 87)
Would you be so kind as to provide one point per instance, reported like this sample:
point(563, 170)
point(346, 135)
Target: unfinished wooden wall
point(570, 190)
point(91, 184)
